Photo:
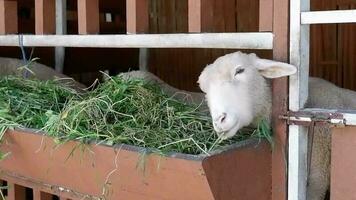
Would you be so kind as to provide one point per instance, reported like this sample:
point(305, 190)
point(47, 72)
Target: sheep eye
point(239, 71)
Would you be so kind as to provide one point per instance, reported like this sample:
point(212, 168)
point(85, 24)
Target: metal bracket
point(306, 118)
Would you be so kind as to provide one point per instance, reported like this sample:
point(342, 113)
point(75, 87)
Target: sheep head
point(236, 89)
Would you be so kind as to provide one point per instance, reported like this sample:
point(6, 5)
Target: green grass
point(133, 112)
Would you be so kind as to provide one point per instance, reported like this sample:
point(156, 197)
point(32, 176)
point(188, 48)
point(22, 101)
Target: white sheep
point(238, 92)
point(237, 87)
point(12, 66)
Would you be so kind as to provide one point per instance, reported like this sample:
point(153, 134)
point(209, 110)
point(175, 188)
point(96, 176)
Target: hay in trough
point(118, 111)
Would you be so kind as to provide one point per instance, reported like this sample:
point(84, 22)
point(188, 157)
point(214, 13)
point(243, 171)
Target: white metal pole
point(298, 88)
point(252, 40)
point(61, 28)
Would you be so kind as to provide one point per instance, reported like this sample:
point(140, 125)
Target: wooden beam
point(279, 101)
point(45, 17)
point(137, 18)
point(265, 15)
point(194, 16)
point(8, 17)
point(88, 17)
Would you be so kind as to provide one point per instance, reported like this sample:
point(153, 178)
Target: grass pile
point(128, 111)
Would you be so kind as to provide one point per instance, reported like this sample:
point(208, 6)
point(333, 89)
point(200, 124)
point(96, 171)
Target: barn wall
point(181, 67)
point(333, 47)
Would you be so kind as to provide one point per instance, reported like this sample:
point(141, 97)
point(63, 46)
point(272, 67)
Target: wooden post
point(8, 17)
point(137, 21)
point(280, 100)
point(88, 16)
point(45, 17)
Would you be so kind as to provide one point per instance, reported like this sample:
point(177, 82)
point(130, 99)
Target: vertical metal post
point(298, 88)
point(137, 18)
point(61, 29)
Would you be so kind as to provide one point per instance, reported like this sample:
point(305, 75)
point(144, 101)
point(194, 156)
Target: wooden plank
point(229, 12)
point(279, 101)
point(243, 163)
point(88, 16)
point(194, 16)
point(265, 15)
point(343, 163)
point(203, 40)
point(8, 17)
point(207, 15)
point(137, 18)
point(45, 17)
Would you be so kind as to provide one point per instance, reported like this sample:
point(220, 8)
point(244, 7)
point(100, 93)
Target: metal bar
point(203, 40)
point(138, 22)
point(298, 93)
point(61, 28)
point(328, 17)
point(348, 117)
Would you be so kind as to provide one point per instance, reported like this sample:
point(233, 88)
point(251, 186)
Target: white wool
point(246, 97)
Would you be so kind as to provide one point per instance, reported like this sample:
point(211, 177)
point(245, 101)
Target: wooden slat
point(343, 163)
point(88, 16)
point(137, 18)
point(279, 101)
point(45, 16)
point(194, 16)
point(8, 17)
point(265, 15)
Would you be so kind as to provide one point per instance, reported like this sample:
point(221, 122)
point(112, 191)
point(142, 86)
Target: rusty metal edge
point(200, 157)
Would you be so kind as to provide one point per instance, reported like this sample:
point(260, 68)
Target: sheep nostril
point(222, 118)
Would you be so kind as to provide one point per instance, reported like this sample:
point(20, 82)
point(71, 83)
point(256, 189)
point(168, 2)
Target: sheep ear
point(274, 69)
point(203, 80)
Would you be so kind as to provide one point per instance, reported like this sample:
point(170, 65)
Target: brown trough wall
point(73, 171)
